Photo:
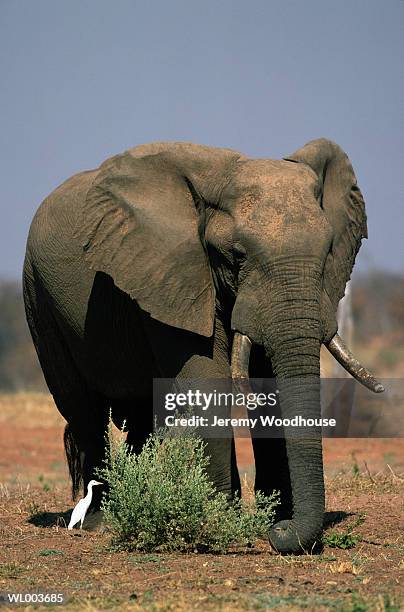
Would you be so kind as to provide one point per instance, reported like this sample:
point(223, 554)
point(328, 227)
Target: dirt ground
point(364, 478)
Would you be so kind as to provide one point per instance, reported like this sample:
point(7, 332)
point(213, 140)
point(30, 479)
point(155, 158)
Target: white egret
point(81, 508)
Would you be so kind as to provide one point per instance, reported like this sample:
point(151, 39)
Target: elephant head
point(184, 229)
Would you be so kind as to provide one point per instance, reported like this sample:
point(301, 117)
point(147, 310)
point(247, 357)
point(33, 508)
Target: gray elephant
point(178, 260)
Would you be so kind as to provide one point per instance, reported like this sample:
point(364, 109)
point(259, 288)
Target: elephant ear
point(140, 226)
point(344, 208)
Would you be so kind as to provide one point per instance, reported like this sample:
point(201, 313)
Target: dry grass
point(29, 410)
point(38, 553)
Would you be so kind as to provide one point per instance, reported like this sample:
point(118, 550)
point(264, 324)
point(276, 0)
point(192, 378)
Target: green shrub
point(345, 539)
point(341, 540)
point(162, 500)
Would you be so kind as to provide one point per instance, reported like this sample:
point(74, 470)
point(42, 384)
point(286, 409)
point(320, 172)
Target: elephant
point(184, 261)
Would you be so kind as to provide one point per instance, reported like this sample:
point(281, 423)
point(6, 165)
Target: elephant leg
point(84, 410)
point(138, 417)
point(222, 468)
point(272, 472)
point(86, 413)
point(271, 462)
point(87, 421)
point(183, 357)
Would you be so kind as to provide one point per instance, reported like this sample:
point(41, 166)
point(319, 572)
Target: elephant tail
point(73, 460)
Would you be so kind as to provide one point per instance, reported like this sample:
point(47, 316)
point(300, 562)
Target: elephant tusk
point(240, 358)
point(343, 355)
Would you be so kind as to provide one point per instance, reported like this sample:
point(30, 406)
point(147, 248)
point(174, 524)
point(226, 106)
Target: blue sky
point(85, 79)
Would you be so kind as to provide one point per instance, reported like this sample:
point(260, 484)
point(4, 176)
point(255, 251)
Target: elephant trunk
point(293, 341)
point(301, 397)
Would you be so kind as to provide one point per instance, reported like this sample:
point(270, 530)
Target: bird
point(80, 510)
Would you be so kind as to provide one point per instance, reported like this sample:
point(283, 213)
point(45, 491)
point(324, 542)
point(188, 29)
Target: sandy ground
point(364, 477)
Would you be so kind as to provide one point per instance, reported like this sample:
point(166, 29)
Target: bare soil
point(364, 478)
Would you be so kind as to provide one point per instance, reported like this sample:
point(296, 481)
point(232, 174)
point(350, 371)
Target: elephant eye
point(239, 251)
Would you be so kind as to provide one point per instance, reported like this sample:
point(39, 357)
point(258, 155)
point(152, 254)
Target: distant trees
point(19, 367)
point(378, 307)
